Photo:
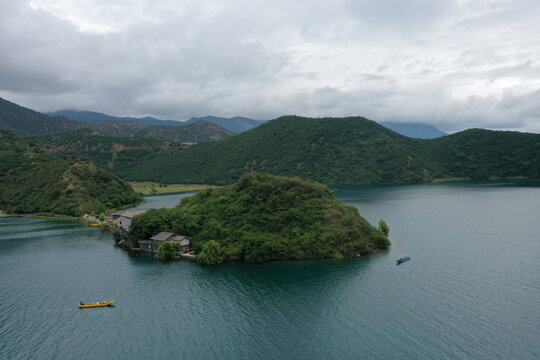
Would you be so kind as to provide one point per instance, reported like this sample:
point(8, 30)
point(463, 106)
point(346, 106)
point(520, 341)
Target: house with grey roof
point(122, 219)
point(155, 241)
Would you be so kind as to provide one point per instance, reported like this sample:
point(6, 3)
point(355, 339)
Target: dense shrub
point(169, 250)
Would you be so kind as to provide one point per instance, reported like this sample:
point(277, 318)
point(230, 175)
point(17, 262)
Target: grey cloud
point(453, 64)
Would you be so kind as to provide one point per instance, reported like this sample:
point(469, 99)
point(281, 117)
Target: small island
point(264, 218)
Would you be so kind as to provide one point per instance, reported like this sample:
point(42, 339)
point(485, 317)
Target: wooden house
point(155, 241)
point(122, 219)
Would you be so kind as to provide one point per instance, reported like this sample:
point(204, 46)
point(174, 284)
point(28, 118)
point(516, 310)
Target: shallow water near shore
point(471, 290)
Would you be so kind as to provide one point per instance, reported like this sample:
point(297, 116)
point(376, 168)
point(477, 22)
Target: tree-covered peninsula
point(33, 181)
point(263, 218)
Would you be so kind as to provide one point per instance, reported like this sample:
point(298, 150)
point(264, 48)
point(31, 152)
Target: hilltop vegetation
point(263, 218)
point(485, 154)
point(328, 150)
point(350, 150)
point(32, 181)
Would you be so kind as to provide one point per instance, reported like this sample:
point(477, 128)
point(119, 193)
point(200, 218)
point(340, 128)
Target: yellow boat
point(96, 304)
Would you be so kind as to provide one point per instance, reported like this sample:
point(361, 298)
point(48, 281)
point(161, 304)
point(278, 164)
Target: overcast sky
point(454, 64)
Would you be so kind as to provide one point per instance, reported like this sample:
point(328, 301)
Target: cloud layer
point(455, 64)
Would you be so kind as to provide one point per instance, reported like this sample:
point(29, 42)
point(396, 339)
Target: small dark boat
point(402, 260)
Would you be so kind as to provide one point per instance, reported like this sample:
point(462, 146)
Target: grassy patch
point(449, 179)
point(153, 188)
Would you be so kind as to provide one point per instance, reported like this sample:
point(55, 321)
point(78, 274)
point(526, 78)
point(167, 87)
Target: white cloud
point(454, 64)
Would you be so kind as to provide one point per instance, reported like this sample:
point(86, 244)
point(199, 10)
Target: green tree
point(212, 254)
point(169, 250)
point(384, 228)
point(100, 208)
point(102, 217)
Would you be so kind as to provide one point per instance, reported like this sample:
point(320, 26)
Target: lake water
point(471, 290)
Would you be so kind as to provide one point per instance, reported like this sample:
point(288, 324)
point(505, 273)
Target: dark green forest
point(24, 121)
point(263, 218)
point(352, 150)
point(33, 181)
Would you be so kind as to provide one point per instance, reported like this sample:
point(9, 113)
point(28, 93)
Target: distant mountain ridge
point(414, 130)
point(90, 116)
point(238, 124)
point(24, 121)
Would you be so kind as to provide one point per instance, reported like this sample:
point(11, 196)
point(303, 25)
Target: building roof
point(129, 213)
point(184, 242)
point(162, 236)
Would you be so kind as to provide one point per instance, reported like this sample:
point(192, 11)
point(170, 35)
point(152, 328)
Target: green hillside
point(485, 154)
point(350, 150)
point(32, 181)
point(113, 152)
point(24, 121)
point(199, 132)
point(263, 218)
point(329, 150)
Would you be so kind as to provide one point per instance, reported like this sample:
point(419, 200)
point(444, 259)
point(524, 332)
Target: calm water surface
point(471, 291)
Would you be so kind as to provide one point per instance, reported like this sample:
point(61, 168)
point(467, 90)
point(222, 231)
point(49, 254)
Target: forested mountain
point(350, 150)
point(25, 122)
point(235, 124)
point(414, 130)
point(484, 154)
point(33, 181)
point(113, 152)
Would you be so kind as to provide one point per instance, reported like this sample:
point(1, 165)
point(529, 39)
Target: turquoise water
point(471, 290)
